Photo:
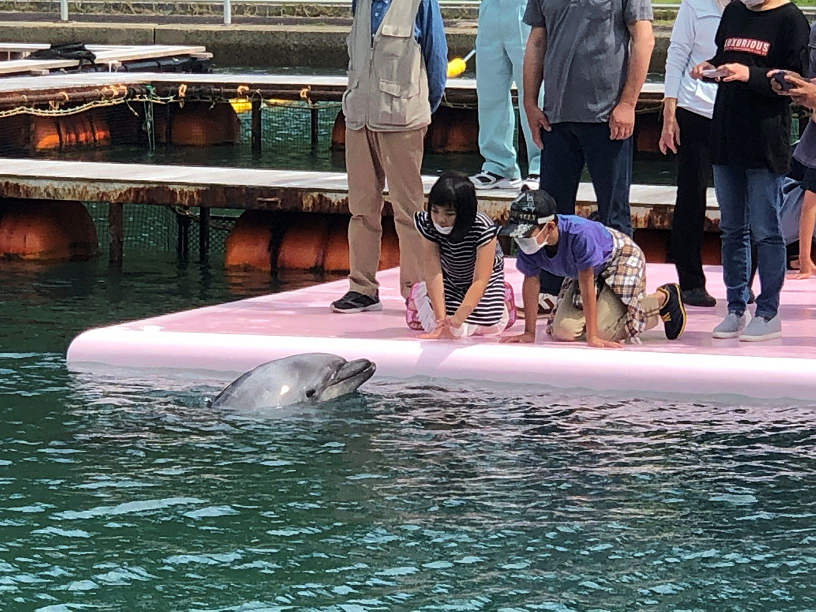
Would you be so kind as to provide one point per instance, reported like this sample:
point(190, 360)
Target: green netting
point(162, 228)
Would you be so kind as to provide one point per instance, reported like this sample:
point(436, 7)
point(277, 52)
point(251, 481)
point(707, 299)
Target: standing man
point(500, 42)
point(593, 56)
point(396, 78)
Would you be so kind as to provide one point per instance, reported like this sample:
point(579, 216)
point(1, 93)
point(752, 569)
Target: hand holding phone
point(779, 77)
point(713, 73)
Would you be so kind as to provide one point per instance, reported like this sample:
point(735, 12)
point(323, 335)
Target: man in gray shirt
point(593, 56)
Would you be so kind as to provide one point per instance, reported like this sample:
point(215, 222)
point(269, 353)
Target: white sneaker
point(532, 182)
point(489, 180)
point(732, 325)
point(761, 329)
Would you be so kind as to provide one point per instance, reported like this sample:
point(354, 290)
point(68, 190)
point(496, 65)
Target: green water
point(123, 491)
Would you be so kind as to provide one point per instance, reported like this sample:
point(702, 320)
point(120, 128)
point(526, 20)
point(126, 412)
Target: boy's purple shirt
point(582, 244)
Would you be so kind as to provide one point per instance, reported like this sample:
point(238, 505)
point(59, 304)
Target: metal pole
point(203, 234)
point(315, 125)
point(227, 12)
point(257, 132)
point(63, 10)
point(116, 233)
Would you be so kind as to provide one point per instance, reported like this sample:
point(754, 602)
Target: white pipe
point(227, 12)
point(63, 10)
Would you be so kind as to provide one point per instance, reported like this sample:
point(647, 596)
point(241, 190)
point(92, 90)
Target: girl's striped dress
point(459, 263)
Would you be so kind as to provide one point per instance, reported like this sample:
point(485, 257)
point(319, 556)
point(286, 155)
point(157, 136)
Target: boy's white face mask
point(753, 3)
point(530, 245)
point(442, 230)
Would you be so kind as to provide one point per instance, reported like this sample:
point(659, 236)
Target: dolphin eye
point(310, 393)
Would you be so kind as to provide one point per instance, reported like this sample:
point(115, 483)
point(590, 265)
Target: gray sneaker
point(732, 325)
point(761, 329)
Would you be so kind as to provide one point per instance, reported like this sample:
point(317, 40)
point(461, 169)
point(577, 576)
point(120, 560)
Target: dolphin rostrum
point(305, 378)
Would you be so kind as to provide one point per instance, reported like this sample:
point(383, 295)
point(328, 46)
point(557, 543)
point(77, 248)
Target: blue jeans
point(750, 202)
point(566, 149)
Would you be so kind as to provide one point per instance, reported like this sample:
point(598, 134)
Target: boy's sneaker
point(760, 329)
point(356, 302)
point(732, 325)
point(490, 180)
point(699, 297)
point(673, 312)
point(546, 306)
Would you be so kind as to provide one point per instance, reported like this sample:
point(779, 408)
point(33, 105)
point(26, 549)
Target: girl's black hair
point(456, 191)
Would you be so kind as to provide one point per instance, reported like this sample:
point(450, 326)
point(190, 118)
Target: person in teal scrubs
point(500, 42)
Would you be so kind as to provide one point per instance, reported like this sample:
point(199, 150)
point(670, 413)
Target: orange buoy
point(304, 243)
point(69, 132)
point(44, 134)
point(43, 230)
point(647, 133)
point(200, 124)
point(336, 252)
point(338, 135)
point(100, 129)
point(249, 244)
point(453, 131)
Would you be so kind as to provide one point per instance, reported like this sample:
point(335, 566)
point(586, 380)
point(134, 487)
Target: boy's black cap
point(529, 210)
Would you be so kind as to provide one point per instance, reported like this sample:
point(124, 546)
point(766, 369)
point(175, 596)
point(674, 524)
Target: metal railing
point(808, 10)
point(336, 3)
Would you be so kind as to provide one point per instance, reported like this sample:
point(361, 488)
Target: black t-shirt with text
point(751, 125)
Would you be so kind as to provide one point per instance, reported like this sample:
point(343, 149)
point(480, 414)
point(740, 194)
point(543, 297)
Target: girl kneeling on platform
point(464, 293)
point(603, 298)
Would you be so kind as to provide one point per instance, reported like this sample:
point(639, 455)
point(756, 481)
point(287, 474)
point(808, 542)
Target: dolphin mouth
point(357, 371)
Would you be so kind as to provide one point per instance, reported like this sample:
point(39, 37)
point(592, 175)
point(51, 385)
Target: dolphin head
point(306, 378)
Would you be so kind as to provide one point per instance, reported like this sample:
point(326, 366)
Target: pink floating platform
point(237, 336)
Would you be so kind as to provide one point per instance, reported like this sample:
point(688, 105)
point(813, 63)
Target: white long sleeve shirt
point(692, 42)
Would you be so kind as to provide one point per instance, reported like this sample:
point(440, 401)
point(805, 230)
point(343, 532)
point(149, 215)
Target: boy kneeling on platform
point(603, 298)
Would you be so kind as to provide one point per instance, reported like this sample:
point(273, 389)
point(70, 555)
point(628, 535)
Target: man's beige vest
point(387, 81)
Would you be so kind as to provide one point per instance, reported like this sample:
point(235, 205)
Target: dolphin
point(307, 378)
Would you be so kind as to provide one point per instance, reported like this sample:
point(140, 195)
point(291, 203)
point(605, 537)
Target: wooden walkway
point(319, 88)
point(240, 188)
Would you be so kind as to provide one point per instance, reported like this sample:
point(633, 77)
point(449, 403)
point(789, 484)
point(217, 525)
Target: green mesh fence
point(162, 228)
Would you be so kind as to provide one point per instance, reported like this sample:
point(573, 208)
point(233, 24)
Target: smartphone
point(779, 77)
point(713, 73)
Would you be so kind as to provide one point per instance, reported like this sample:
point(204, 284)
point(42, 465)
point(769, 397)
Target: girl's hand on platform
point(599, 343)
point(442, 332)
point(525, 338)
point(453, 322)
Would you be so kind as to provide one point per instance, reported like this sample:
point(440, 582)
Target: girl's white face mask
point(443, 230)
point(753, 3)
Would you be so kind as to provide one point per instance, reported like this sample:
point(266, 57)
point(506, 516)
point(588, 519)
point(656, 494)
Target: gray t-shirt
point(587, 54)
